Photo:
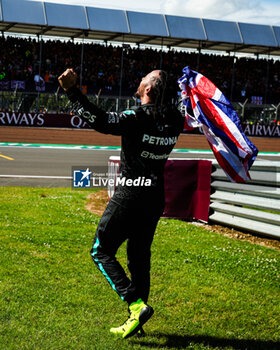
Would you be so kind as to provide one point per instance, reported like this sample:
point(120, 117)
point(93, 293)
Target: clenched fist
point(67, 79)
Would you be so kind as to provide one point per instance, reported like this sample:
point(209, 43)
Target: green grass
point(208, 291)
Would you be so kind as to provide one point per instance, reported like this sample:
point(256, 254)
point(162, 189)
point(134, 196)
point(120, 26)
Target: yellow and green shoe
point(140, 313)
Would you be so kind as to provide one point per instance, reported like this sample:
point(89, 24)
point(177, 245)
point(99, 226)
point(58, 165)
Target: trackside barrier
point(187, 187)
point(253, 207)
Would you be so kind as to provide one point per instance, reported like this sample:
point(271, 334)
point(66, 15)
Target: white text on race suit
point(161, 141)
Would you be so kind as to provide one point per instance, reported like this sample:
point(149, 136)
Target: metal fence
point(253, 207)
point(58, 103)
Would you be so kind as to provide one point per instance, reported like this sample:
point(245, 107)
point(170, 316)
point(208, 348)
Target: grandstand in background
point(133, 31)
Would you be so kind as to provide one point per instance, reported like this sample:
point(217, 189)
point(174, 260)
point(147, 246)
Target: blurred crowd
point(20, 62)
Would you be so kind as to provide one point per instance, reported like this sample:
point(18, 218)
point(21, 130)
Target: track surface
point(39, 167)
point(53, 167)
point(92, 137)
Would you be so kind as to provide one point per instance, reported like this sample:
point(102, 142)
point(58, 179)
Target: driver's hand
point(67, 79)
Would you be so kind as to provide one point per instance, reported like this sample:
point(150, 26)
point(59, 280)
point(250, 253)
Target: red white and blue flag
point(206, 107)
point(20, 84)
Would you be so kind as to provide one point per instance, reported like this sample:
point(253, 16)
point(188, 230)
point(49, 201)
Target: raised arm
point(106, 122)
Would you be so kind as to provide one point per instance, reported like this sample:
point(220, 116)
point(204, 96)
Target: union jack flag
point(206, 107)
point(4, 85)
point(20, 84)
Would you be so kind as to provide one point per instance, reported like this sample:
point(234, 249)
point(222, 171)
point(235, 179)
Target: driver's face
point(145, 82)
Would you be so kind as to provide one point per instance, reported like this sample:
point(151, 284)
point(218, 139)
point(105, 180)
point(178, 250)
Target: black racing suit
point(133, 212)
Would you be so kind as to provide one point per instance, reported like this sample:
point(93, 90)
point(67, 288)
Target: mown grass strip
point(208, 291)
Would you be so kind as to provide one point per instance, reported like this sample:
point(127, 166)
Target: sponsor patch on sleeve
point(129, 112)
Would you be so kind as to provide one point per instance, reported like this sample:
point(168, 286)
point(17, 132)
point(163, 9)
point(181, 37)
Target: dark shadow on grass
point(183, 341)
